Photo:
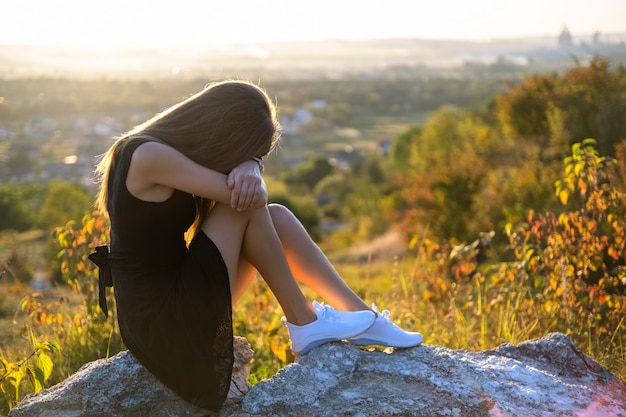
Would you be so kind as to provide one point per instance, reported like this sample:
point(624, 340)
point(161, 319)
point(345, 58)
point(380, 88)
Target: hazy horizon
point(209, 22)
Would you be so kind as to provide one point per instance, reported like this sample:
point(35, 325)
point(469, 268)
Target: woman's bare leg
point(311, 267)
point(244, 237)
point(274, 242)
point(309, 264)
point(254, 233)
point(245, 274)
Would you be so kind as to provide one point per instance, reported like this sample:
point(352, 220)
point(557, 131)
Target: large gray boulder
point(547, 377)
point(121, 386)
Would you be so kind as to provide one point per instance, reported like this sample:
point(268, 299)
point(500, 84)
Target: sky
point(139, 22)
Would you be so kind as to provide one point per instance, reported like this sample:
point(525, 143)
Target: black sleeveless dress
point(173, 302)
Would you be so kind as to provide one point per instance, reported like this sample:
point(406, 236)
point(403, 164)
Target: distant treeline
point(348, 97)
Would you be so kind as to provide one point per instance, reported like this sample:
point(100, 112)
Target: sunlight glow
point(252, 21)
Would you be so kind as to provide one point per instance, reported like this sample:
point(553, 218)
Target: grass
point(474, 315)
point(29, 245)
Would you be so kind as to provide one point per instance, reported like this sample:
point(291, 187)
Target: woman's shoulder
point(129, 145)
point(150, 152)
point(144, 179)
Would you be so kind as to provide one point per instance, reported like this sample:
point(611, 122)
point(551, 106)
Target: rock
point(121, 386)
point(540, 378)
point(547, 377)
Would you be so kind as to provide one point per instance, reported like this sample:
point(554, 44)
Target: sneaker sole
point(315, 344)
point(367, 342)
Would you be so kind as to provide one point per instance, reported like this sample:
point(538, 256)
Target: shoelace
point(385, 314)
point(324, 311)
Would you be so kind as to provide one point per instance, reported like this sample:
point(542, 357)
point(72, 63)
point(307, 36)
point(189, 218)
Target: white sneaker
point(385, 333)
point(331, 325)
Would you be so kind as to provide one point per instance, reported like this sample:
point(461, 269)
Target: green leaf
point(564, 196)
point(589, 142)
point(578, 168)
point(44, 363)
point(529, 254)
point(15, 379)
point(53, 345)
point(33, 339)
point(36, 377)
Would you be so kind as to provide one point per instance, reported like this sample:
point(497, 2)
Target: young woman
point(191, 227)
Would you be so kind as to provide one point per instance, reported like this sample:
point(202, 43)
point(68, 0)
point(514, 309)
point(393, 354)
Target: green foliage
point(524, 107)
point(63, 202)
point(367, 206)
point(449, 159)
point(567, 274)
point(370, 170)
point(591, 100)
point(89, 332)
point(330, 192)
point(594, 104)
point(303, 205)
point(464, 173)
point(587, 244)
point(444, 290)
point(308, 174)
point(362, 196)
point(256, 316)
point(29, 205)
point(29, 374)
point(574, 262)
point(14, 211)
point(82, 331)
point(505, 196)
point(18, 266)
point(400, 153)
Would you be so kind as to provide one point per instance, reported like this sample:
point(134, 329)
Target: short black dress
point(173, 301)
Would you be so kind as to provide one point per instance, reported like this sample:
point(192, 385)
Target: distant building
point(318, 104)
point(565, 39)
point(293, 123)
point(384, 146)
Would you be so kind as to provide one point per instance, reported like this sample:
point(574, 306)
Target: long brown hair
point(219, 127)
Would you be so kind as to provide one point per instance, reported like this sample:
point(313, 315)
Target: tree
point(308, 174)
point(523, 111)
point(585, 101)
point(449, 159)
point(14, 211)
point(400, 153)
point(593, 101)
point(63, 202)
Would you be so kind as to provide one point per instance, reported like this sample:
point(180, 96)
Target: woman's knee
point(223, 219)
point(281, 215)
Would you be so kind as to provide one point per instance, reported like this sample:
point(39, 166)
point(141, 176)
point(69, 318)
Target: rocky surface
point(547, 377)
point(121, 386)
point(542, 377)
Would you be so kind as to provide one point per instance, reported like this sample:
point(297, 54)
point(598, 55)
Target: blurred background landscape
point(306, 59)
point(428, 164)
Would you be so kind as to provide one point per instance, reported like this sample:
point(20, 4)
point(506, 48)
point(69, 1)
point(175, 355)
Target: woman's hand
point(248, 190)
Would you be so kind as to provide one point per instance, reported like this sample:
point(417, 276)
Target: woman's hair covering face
point(220, 127)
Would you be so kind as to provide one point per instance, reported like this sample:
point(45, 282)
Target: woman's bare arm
point(156, 169)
